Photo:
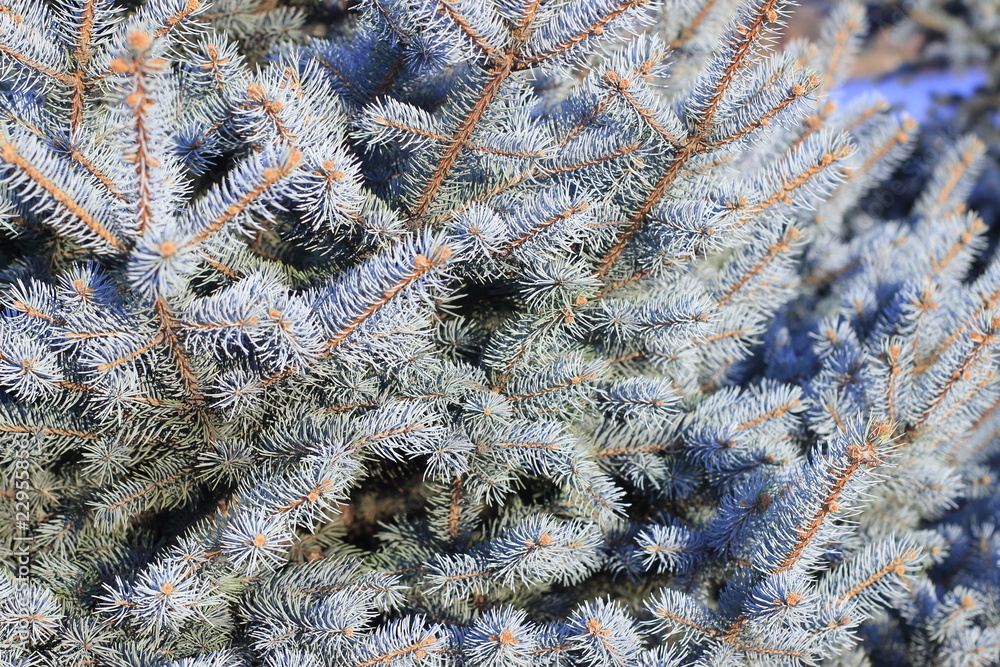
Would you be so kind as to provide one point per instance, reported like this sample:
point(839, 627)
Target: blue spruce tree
point(483, 333)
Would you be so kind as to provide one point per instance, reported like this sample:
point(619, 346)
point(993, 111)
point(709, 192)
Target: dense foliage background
point(495, 332)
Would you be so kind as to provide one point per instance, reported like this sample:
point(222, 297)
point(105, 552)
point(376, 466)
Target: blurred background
point(938, 61)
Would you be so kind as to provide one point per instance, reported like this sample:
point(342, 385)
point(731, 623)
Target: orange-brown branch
point(859, 456)
point(976, 227)
point(150, 487)
point(140, 103)
point(748, 37)
point(670, 616)
point(27, 62)
point(131, 355)
point(618, 152)
point(695, 144)
point(776, 249)
point(169, 326)
point(497, 76)
point(896, 566)
point(782, 194)
point(33, 312)
point(271, 109)
point(621, 85)
point(988, 302)
point(636, 449)
point(776, 413)
point(419, 649)
point(794, 93)
point(402, 430)
point(174, 19)
point(421, 265)
point(687, 151)
point(572, 382)
point(412, 130)
point(545, 224)
point(103, 178)
point(981, 342)
point(897, 138)
point(455, 508)
point(468, 30)
point(63, 432)
point(10, 154)
point(596, 28)
point(271, 177)
point(955, 174)
point(311, 497)
point(692, 26)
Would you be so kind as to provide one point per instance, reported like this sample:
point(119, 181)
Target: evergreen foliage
point(482, 332)
point(965, 37)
